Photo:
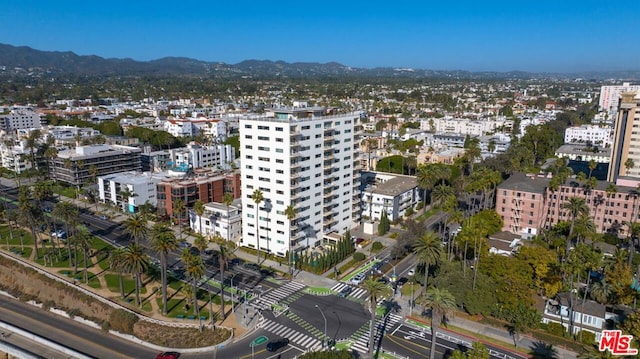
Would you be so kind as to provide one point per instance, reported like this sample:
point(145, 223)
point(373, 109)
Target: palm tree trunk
point(84, 254)
point(163, 262)
point(434, 336)
point(372, 333)
point(137, 275)
point(222, 290)
point(121, 282)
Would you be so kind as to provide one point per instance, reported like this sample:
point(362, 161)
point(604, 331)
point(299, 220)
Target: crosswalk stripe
point(287, 332)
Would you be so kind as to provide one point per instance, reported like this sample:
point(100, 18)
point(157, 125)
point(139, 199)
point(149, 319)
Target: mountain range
point(26, 60)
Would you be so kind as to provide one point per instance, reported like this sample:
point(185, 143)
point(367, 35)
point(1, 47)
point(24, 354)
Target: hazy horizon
point(500, 36)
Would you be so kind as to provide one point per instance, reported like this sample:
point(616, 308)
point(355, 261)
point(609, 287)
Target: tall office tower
point(299, 159)
point(625, 158)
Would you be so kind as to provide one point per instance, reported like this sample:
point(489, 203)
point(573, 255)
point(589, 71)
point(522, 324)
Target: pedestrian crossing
point(265, 300)
point(294, 336)
point(361, 336)
point(358, 293)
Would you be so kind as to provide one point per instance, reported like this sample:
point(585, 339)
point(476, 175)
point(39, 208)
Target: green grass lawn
point(176, 308)
point(129, 284)
point(94, 282)
point(5, 236)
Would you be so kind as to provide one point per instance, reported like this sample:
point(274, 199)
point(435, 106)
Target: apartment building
point(77, 166)
point(296, 158)
point(527, 204)
point(204, 184)
point(392, 194)
point(596, 135)
point(19, 118)
point(195, 155)
point(626, 139)
point(610, 95)
point(219, 220)
point(129, 190)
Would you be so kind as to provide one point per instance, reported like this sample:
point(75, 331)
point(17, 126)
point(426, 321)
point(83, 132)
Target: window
point(248, 137)
point(263, 138)
point(279, 129)
point(247, 126)
point(263, 127)
point(279, 150)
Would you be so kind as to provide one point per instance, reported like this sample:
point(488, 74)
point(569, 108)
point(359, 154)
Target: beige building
point(626, 139)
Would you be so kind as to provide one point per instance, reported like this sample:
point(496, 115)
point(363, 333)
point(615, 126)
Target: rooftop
point(395, 186)
point(525, 182)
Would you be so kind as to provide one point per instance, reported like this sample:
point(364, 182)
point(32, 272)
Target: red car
point(168, 355)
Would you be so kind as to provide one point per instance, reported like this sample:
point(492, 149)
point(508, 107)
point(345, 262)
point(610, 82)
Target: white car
point(358, 278)
point(411, 272)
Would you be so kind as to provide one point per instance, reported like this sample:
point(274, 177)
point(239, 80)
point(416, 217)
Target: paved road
point(83, 339)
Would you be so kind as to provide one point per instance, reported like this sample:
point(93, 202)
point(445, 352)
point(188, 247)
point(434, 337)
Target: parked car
point(184, 245)
point(411, 272)
point(277, 344)
point(345, 292)
point(168, 355)
point(358, 278)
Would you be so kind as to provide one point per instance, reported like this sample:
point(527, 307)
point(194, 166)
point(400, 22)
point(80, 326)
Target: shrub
point(556, 329)
point(588, 337)
point(122, 321)
point(376, 246)
point(419, 206)
point(408, 212)
point(358, 256)
point(73, 312)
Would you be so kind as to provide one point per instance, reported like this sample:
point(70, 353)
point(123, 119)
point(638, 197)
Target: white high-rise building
point(306, 162)
point(610, 95)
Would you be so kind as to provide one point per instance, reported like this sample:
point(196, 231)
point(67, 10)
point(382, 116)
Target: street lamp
point(325, 327)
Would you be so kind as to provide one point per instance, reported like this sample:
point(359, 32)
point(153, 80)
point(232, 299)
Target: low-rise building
point(129, 190)
point(596, 135)
point(218, 220)
point(195, 155)
point(578, 152)
point(206, 185)
point(392, 194)
point(77, 166)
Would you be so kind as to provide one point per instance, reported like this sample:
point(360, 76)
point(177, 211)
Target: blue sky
point(553, 36)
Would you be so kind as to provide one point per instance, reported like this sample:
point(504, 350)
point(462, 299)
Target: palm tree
point(179, 208)
point(163, 241)
point(440, 194)
point(115, 263)
point(628, 164)
point(227, 199)
point(82, 238)
point(376, 291)
point(135, 262)
point(601, 292)
point(577, 207)
point(194, 270)
point(426, 181)
point(441, 303)
point(290, 212)
point(427, 250)
point(68, 213)
point(136, 227)
point(257, 198)
point(198, 209)
point(29, 214)
point(223, 257)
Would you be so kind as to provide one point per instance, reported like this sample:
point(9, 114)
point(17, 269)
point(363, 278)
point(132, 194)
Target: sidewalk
point(499, 334)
